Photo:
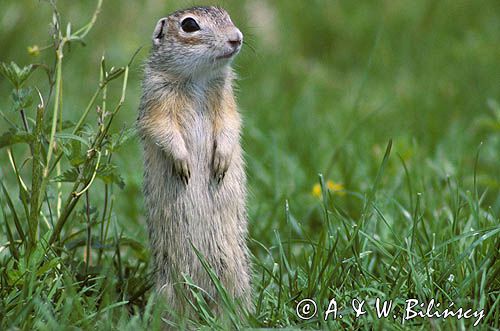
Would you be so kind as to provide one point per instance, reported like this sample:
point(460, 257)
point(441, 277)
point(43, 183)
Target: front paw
point(182, 169)
point(220, 164)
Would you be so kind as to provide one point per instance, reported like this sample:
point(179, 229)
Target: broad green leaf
point(16, 75)
point(23, 98)
point(109, 174)
point(70, 175)
point(119, 139)
point(63, 135)
point(15, 137)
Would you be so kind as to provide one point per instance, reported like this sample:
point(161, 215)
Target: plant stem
point(89, 234)
point(103, 219)
point(87, 110)
point(55, 112)
point(106, 186)
point(37, 180)
point(84, 30)
point(25, 122)
point(57, 102)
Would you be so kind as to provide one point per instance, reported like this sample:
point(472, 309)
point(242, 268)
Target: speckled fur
point(190, 127)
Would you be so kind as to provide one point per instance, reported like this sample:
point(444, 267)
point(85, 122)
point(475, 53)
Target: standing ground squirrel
point(194, 176)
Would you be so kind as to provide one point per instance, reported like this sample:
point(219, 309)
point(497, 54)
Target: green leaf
point(114, 73)
point(9, 202)
point(10, 237)
point(70, 175)
point(16, 75)
point(118, 139)
point(48, 266)
point(15, 137)
point(22, 98)
point(65, 125)
point(72, 147)
point(67, 136)
point(108, 173)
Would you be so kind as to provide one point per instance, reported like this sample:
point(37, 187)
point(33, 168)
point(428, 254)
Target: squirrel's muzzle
point(235, 38)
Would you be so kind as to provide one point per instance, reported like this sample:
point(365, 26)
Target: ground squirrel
point(194, 177)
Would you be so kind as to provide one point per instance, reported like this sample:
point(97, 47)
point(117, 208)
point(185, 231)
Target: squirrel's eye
point(189, 25)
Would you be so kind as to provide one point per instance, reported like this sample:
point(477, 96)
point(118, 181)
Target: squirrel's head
point(195, 41)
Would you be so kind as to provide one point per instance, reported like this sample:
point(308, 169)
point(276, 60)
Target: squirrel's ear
point(160, 30)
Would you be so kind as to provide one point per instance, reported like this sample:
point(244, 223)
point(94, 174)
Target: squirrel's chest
point(197, 128)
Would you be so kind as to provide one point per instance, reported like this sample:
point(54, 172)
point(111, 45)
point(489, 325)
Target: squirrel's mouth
point(229, 54)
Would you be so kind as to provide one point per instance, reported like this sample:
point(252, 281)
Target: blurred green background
point(323, 86)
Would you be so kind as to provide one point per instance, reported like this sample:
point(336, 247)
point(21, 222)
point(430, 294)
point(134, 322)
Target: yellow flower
point(34, 50)
point(316, 191)
point(335, 188)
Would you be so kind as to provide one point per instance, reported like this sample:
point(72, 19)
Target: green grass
point(397, 101)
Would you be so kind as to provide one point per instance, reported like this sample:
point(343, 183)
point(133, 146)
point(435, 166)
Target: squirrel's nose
point(235, 39)
point(234, 42)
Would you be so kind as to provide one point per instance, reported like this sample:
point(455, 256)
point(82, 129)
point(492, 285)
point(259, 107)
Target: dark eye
point(189, 25)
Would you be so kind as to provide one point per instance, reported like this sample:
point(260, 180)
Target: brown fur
point(194, 178)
